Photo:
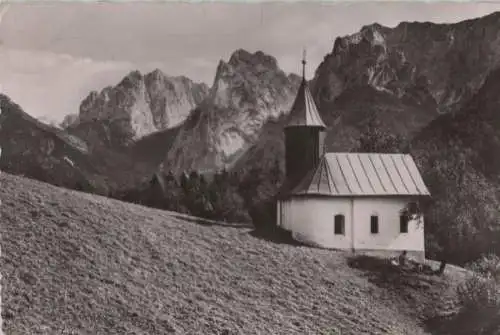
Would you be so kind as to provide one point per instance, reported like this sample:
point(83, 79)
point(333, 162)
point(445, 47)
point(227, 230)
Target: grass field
point(74, 263)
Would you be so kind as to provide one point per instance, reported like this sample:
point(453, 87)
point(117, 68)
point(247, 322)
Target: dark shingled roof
point(304, 111)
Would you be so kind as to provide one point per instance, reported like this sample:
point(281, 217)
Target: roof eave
point(293, 125)
point(382, 195)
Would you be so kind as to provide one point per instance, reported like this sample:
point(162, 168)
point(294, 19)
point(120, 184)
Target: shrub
point(480, 307)
point(487, 266)
point(478, 293)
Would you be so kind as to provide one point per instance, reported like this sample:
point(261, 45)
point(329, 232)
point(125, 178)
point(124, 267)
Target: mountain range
point(404, 77)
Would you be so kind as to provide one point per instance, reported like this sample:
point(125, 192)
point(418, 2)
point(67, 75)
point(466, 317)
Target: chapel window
point(403, 223)
point(339, 224)
point(374, 224)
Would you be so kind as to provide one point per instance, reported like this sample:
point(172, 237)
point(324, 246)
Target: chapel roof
point(363, 174)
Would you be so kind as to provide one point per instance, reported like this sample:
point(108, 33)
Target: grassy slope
point(94, 265)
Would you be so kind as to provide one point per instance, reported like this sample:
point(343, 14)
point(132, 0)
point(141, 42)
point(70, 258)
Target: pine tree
point(184, 181)
point(276, 173)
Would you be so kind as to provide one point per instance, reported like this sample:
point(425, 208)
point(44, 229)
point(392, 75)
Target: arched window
point(339, 224)
point(374, 224)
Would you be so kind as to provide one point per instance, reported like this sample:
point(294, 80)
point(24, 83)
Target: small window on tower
point(339, 224)
point(403, 223)
point(374, 224)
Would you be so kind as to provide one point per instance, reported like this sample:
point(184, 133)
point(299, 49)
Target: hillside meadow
point(75, 263)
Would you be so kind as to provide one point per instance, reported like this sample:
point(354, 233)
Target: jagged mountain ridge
point(414, 61)
point(138, 106)
point(248, 90)
point(404, 77)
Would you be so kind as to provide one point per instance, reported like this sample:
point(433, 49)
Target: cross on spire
point(304, 64)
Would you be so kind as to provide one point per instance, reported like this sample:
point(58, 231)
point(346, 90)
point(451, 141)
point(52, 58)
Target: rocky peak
point(374, 27)
point(140, 105)
point(239, 80)
point(156, 74)
point(133, 80)
point(244, 58)
point(365, 40)
point(247, 91)
point(69, 121)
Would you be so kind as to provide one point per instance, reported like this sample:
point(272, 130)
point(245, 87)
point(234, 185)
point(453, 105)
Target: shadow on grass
point(272, 234)
point(383, 273)
point(442, 324)
point(210, 223)
point(482, 322)
point(276, 235)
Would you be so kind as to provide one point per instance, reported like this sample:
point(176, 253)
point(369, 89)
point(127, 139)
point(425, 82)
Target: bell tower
point(304, 134)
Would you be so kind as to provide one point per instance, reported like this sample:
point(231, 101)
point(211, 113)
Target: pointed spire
point(304, 111)
point(304, 64)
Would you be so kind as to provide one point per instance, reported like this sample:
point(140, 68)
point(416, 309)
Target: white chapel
point(364, 202)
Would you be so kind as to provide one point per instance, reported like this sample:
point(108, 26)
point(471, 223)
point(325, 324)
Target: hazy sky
point(53, 54)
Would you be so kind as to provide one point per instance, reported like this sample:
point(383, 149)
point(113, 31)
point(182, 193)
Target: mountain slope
point(457, 155)
point(138, 106)
point(248, 90)
point(35, 149)
point(107, 267)
point(43, 152)
point(473, 131)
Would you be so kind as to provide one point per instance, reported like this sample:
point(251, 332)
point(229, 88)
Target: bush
point(478, 293)
point(480, 307)
point(487, 266)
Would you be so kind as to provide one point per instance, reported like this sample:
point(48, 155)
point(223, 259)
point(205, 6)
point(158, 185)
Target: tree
point(157, 196)
point(170, 177)
point(375, 139)
point(184, 181)
point(173, 194)
point(226, 202)
point(462, 221)
point(276, 174)
point(195, 194)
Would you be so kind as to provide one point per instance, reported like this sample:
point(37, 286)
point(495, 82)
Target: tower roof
point(304, 111)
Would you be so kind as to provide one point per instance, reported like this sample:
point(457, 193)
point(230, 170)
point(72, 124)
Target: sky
point(53, 54)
